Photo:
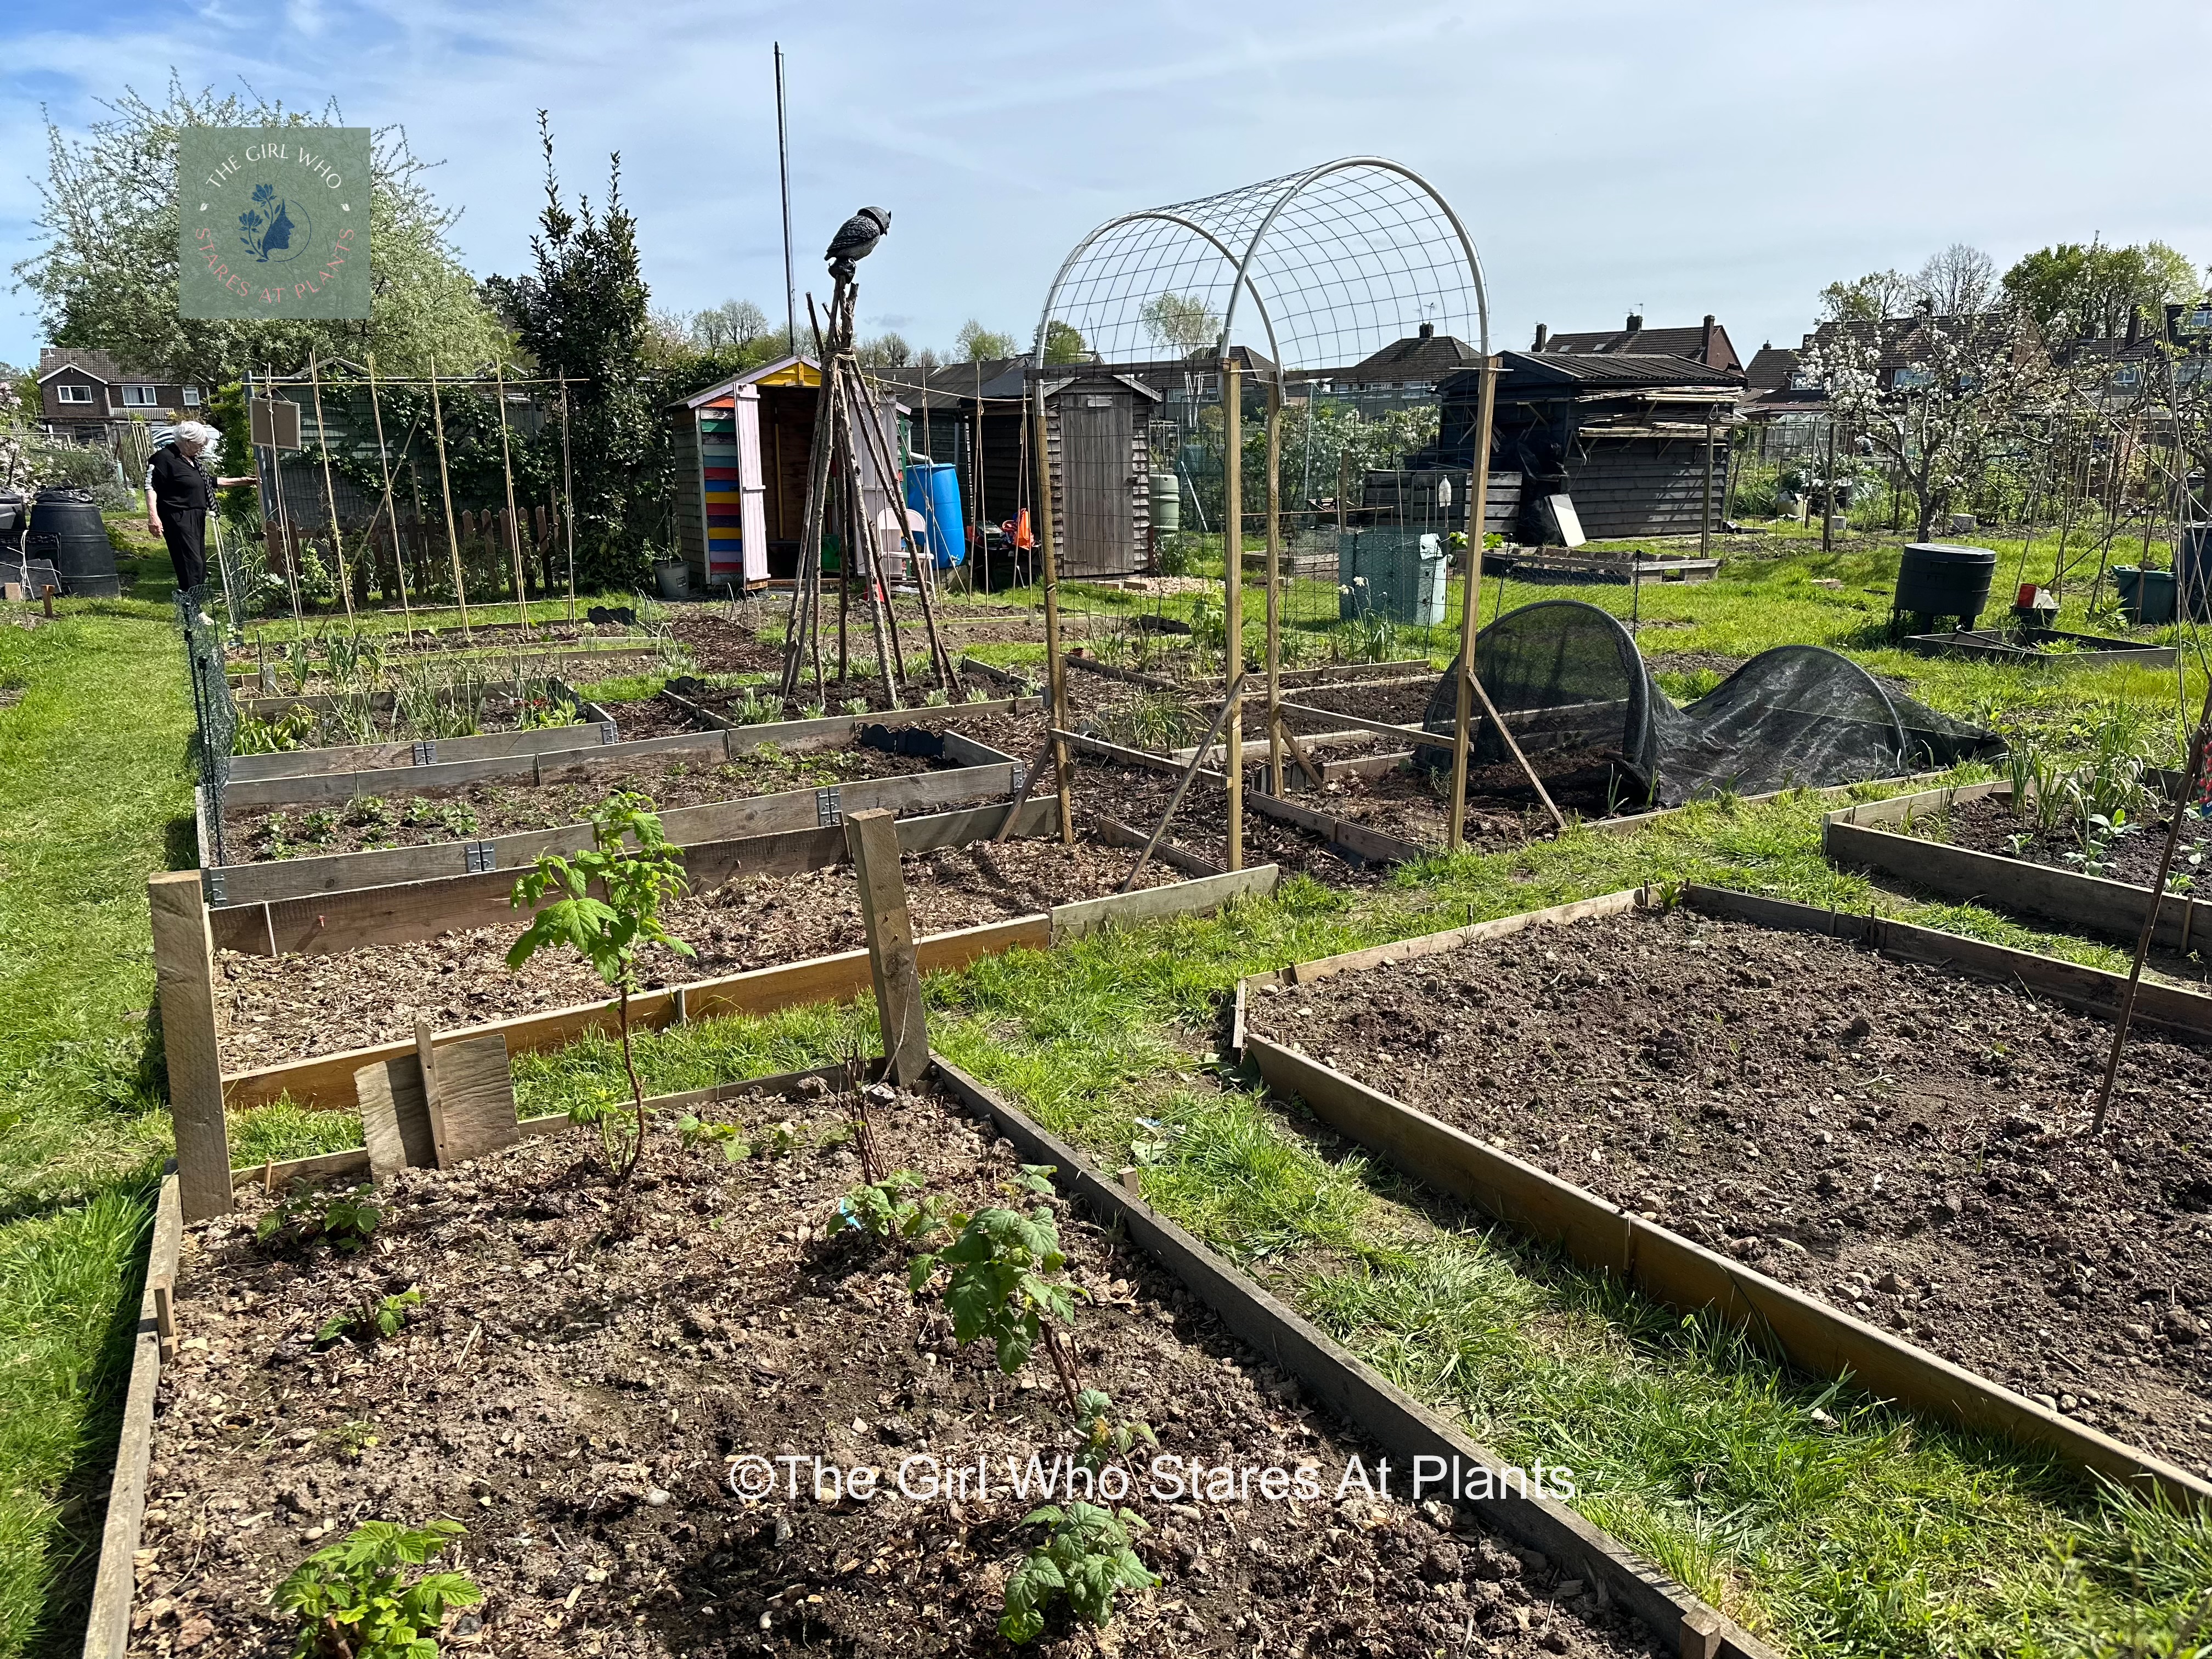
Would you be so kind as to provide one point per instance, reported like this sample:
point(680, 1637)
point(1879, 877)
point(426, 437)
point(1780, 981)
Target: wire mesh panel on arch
point(1570, 685)
point(1341, 293)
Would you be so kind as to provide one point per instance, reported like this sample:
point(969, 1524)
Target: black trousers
point(185, 531)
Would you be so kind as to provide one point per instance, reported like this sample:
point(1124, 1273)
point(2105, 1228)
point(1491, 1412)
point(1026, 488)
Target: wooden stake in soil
point(184, 975)
point(330, 489)
point(873, 838)
point(569, 498)
point(1275, 583)
point(1478, 500)
point(446, 487)
point(2199, 740)
point(1232, 592)
point(1056, 667)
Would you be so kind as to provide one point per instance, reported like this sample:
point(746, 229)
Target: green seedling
point(289, 730)
point(356, 1599)
point(421, 812)
point(730, 1137)
point(318, 827)
point(459, 820)
point(938, 698)
point(1104, 1440)
point(855, 707)
point(370, 812)
point(346, 1222)
point(882, 1209)
point(373, 1321)
point(609, 932)
point(1002, 1281)
point(1085, 1560)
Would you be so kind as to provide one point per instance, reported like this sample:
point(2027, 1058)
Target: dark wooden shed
point(1622, 434)
point(1099, 456)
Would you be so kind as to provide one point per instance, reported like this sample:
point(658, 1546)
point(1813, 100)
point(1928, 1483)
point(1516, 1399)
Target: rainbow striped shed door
point(721, 516)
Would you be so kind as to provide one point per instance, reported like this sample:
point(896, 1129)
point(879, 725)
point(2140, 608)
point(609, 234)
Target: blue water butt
point(932, 489)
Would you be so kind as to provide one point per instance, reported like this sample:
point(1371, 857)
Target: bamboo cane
point(446, 488)
point(568, 497)
point(329, 489)
point(514, 519)
point(390, 512)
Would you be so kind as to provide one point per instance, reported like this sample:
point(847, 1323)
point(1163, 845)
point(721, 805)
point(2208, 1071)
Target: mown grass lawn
point(1872, 1534)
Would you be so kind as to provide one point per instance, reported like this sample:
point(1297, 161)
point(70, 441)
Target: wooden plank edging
point(1358, 1396)
point(107, 1629)
point(1670, 1269)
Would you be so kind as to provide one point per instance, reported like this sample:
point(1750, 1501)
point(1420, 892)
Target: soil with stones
point(272, 1010)
point(1989, 823)
point(594, 1376)
point(446, 636)
point(1907, 1143)
point(466, 812)
point(651, 717)
point(720, 646)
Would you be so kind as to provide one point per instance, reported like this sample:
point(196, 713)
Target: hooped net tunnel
point(1568, 682)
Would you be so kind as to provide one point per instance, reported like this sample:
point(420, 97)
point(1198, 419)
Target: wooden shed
point(1622, 434)
point(741, 448)
point(1099, 458)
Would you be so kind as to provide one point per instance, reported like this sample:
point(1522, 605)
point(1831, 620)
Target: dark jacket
point(178, 484)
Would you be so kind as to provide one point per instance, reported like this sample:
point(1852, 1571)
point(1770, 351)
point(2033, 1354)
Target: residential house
point(85, 395)
point(1707, 343)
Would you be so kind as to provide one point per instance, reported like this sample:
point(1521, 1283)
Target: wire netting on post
point(1342, 293)
point(213, 710)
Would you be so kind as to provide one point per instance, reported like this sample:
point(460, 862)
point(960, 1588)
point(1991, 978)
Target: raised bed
point(2031, 646)
point(1888, 836)
point(583, 1403)
point(1619, 1077)
point(1566, 568)
point(184, 942)
point(971, 770)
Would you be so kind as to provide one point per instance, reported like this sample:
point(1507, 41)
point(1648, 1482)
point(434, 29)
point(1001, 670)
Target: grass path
point(93, 779)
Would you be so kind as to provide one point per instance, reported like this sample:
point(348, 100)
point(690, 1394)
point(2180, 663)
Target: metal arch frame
point(1052, 294)
point(1344, 165)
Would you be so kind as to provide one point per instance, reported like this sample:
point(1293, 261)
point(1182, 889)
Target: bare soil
point(1907, 1143)
point(467, 811)
point(650, 717)
point(271, 1009)
point(588, 1365)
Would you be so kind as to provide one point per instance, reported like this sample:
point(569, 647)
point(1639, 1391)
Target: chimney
point(1428, 331)
point(1543, 333)
point(1706, 355)
point(1635, 323)
point(2135, 323)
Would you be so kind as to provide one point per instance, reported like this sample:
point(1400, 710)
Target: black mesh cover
point(1576, 695)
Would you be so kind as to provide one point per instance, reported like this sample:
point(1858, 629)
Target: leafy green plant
point(347, 1222)
point(2098, 835)
point(356, 1599)
point(319, 826)
point(855, 707)
point(287, 731)
point(370, 812)
point(730, 1137)
point(459, 819)
point(1002, 1281)
point(421, 812)
point(1086, 1559)
point(609, 932)
point(1104, 1438)
point(882, 1209)
point(373, 1321)
point(1148, 719)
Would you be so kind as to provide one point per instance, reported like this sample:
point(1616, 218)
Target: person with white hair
point(179, 494)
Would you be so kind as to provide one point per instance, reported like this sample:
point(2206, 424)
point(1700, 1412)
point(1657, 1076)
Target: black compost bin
point(1938, 579)
point(2193, 570)
point(66, 527)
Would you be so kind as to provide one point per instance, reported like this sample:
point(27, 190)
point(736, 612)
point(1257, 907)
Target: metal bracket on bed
point(607, 733)
point(211, 880)
point(426, 752)
point(479, 856)
point(828, 806)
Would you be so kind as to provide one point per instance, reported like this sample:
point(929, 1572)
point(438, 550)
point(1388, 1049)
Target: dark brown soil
point(588, 1367)
point(1904, 1142)
point(420, 818)
point(649, 717)
point(271, 1009)
point(1989, 823)
point(720, 646)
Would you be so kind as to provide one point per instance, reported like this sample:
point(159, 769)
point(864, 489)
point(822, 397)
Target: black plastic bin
point(1940, 579)
point(66, 527)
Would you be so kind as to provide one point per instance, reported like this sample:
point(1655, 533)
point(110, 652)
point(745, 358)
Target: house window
point(191, 396)
point(1912, 378)
point(2128, 374)
point(73, 394)
point(139, 396)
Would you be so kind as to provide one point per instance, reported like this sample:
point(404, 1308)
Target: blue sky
point(1676, 159)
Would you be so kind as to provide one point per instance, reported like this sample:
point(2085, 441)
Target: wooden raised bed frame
point(1352, 1391)
point(984, 771)
point(200, 1094)
point(1670, 1269)
point(1858, 835)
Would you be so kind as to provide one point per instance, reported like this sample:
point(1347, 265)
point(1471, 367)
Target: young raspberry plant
point(1086, 1558)
point(356, 1600)
point(882, 1209)
point(608, 932)
point(347, 1223)
point(1003, 1281)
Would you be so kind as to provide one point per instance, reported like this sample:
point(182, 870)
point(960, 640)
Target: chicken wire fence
point(1342, 293)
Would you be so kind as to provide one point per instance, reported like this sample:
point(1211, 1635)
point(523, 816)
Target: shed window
point(73, 394)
